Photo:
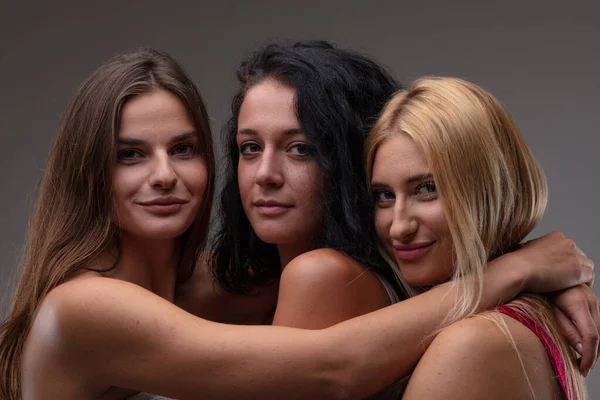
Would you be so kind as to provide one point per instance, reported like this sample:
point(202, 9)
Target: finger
point(578, 249)
point(589, 338)
point(586, 261)
point(590, 282)
point(595, 312)
point(586, 275)
point(569, 329)
point(591, 265)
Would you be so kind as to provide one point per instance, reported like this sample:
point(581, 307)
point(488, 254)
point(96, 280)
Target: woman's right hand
point(552, 263)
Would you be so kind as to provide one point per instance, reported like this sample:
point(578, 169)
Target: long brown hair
point(71, 221)
point(492, 189)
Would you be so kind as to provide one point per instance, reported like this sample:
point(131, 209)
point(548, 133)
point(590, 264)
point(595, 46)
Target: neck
point(149, 263)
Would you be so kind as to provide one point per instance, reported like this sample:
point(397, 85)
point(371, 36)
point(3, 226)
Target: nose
point(269, 169)
point(404, 225)
point(162, 175)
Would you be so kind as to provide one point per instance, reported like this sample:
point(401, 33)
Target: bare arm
point(103, 332)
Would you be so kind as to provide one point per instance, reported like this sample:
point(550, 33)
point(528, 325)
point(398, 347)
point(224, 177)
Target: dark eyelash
point(244, 146)
point(309, 149)
point(432, 187)
point(121, 153)
point(191, 146)
point(376, 194)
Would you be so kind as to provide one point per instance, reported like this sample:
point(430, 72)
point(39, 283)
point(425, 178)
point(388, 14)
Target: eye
point(382, 196)
point(249, 148)
point(426, 190)
point(129, 155)
point(301, 149)
point(185, 150)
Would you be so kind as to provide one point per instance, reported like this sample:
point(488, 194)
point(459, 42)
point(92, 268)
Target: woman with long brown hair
point(121, 215)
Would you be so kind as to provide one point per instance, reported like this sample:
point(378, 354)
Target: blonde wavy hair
point(492, 189)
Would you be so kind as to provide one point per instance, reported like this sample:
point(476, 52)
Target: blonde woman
point(120, 218)
point(455, 185)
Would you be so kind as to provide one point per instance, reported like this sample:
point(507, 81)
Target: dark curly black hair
point(339, 94)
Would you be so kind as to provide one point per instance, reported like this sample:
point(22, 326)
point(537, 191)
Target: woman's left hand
point(578, 312)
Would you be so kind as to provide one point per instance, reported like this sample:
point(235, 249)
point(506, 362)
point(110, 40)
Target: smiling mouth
point(163, 206)
point(411, 253)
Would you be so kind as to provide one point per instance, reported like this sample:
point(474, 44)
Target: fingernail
point(579, 348)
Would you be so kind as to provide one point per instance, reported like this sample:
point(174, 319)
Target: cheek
point(127, 180)
point(437, 221)
point(309, 185)
point(245, 179)
point(198, 176)
point(383, 222)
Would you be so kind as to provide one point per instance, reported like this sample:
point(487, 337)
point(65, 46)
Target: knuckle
point(579, 301)
point(581, 274)
point(570, 244)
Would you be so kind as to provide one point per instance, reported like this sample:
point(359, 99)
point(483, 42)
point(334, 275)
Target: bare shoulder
point(323, 287)
point(73, 328)
point(326, 266)
point(492, 355)
point(330, 270)
point(80, 310)
point(98, 332)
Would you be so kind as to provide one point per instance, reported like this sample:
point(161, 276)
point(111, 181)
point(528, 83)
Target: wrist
point(510, 275)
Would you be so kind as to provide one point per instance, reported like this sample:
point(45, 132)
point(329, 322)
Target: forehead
point(399, 155)
point(269, 107)
point(154, 113)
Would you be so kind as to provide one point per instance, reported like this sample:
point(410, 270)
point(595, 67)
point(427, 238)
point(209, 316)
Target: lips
point(413, 251)
point(163, 205)
point(271, 208)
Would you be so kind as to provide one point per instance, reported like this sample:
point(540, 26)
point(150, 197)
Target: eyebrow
point(250, 131)
point(137, 142)
point(419, 178)
point(378, 185)
point(412, 179)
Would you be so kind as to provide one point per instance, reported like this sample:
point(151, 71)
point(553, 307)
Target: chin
point(164, 235)
point(424, 281)
point(275, 236)
point(165, 231)
point(159, 235)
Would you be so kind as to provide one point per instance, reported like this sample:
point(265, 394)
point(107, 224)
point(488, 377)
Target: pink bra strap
point(551, 348)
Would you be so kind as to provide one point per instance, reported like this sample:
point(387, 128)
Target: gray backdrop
point(542, 61)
